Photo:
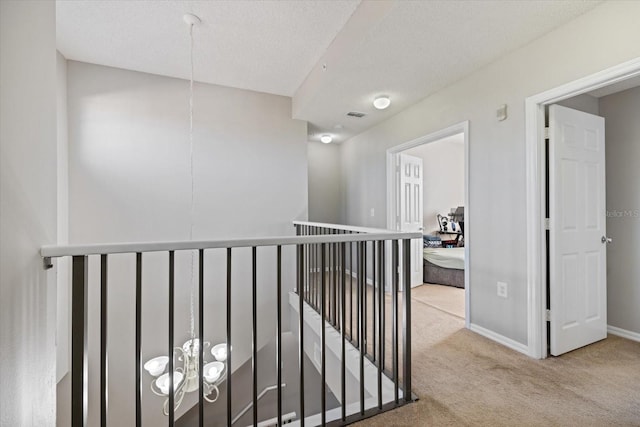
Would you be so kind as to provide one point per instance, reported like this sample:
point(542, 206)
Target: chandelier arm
point(215, 388)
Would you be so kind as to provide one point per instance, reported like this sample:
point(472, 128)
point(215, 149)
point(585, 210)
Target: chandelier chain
point(192, 206)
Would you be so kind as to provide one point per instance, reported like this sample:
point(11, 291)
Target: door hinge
point(547, 315)
point(547, 224)
point(46, 263)
point(546, 133)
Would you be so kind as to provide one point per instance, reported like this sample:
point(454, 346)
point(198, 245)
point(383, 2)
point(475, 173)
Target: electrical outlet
point(502, 289)
point(372, 212)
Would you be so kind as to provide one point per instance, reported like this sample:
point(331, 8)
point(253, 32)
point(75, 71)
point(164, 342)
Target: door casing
point(392, 155)
point(535, 192)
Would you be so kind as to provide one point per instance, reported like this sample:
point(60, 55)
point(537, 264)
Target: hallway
point(463, 379)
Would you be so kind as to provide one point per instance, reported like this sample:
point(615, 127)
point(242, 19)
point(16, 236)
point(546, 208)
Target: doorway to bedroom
point(427, 191)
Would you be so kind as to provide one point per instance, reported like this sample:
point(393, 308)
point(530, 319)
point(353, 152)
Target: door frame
point(392, 155)
point(535, 191)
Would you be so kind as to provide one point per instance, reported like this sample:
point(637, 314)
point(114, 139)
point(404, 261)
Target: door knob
point(606, 239)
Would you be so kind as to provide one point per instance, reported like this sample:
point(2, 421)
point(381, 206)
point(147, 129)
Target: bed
point(444, 266)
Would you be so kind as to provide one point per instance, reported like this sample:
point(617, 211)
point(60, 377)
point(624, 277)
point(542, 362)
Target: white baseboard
point(630, 335)
point(500, 339)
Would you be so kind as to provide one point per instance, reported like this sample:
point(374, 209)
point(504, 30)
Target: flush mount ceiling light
point(326, 139)
point(381, 102)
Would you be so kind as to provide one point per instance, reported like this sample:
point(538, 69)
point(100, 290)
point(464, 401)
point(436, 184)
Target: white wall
point(622, 113)
point(130, 181)
point(443, 178)
point(27, 212)
point(324, 182)
point(599, 39)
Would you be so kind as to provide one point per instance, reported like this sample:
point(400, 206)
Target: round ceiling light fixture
point(326, 139)
point(381, 102)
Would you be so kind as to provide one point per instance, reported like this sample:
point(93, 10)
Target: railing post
point(406, 319)
point(79, 341)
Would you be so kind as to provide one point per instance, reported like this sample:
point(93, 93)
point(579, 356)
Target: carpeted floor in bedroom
point(464, 379)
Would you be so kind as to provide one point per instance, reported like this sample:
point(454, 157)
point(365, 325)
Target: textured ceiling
point(411, 49)
point(405, 49)
point(266, 46)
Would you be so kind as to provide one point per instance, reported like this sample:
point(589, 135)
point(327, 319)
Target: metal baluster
point(361, 284)
point(171, 337)
point(394, 308)
point(103, 340)
point(79, 341)
point(364, 298)
point(254, 333)
point(323, 343)
point(380, 320)
point(383, 285)
point(138, 339)
point(406, 320)
point(201, 337)
point(373, 300)
point(350, 291)
point(279, 328)
point(229, 371)
point(301, 356)
point(343, 333)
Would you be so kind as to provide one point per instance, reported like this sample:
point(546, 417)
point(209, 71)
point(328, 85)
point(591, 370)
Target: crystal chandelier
point(185, 377)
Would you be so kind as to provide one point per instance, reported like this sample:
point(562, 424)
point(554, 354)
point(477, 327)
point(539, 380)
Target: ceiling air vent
point(355, 114)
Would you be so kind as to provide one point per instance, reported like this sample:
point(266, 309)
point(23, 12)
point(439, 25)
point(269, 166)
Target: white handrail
point(344, 227)
point(118, 248)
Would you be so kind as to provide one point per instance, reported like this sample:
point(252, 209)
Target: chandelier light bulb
point(326, 139)
point(163, 382)
point(382, 102)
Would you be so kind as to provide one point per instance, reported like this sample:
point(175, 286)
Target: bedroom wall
point(324, 182)
point(443, 178)
point(620, 111)
point(129, 180)
point(27, 212)
point(604, 37)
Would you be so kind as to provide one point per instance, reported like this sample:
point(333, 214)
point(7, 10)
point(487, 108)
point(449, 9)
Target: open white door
point(577, 245)
point(410, 209)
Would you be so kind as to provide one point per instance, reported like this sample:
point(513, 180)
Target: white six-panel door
point(577, 245)
point(410, 209)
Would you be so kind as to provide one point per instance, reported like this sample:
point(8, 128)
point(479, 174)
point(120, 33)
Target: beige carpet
point(445, 298)
point(463, 379)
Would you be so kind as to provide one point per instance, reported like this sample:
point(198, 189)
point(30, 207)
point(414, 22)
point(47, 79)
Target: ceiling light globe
point(326, 139)
point(381, 102)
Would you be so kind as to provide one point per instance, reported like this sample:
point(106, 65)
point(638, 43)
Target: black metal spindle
point(364, 298)
point(279, 331)
point(323, 343)
point(254, 333)
point(373, 299)
point(394, 308)
point(79, 341)
point(380, 332)
point(406, 321)
point(350, 291)
point(343, 304)
point(383, 286)
point(229, 371)
point(301, 355)
point(171, 337)
point(358, 289)
point(201, 337)
point(103, 341)
point(138, 339)
point(361, 321)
